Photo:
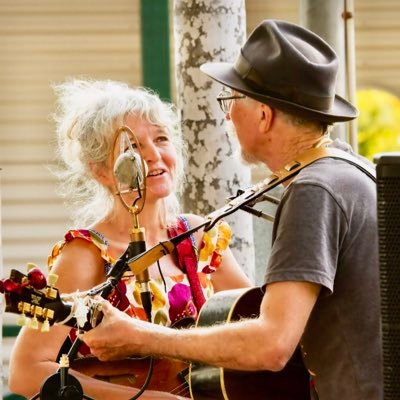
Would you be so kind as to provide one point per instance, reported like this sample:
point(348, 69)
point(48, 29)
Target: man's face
point(242, 120)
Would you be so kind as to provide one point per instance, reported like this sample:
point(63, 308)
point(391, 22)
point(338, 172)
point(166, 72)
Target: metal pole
point(326, 19)
point(348, 18)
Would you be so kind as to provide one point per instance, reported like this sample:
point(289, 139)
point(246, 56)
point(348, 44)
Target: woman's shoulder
point(193, 219)
point(86, 236)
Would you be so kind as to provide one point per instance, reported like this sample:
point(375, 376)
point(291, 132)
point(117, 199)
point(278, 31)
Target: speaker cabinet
point(388, 199)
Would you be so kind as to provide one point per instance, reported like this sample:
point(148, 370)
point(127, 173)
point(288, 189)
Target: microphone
point(128, 169)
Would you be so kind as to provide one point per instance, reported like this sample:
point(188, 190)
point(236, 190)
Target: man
point(322, 283)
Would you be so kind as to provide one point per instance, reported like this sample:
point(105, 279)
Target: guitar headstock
point(34, 298)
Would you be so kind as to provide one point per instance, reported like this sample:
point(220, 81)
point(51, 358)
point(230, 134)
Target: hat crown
point(288, 67)
point(292, 63)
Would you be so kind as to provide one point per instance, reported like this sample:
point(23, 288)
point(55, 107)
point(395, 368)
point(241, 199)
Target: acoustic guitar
point(207, 382)
point(41, 306)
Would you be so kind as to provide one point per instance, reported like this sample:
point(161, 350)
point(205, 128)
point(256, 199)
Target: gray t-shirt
point(326, 232)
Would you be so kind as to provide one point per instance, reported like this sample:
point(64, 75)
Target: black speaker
point(388, 198)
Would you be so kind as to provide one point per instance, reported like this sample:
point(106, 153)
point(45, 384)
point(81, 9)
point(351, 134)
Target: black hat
point(288, 67)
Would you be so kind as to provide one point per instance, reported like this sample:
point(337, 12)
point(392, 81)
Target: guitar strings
point(180, 389)
point(130, 275)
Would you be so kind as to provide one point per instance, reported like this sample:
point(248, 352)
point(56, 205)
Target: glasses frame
point(225, 98)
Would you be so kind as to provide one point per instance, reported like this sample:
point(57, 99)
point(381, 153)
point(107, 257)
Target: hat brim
point(224, 73)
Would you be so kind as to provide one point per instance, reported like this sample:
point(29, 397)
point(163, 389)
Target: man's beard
point(245, 157)
point(249, 159)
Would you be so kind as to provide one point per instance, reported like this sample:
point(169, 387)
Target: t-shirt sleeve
point(306, 238)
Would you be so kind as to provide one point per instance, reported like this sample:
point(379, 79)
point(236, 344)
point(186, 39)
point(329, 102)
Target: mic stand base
point(53, 389)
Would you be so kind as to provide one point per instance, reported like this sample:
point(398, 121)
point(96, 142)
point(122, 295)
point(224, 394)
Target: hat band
point(286, 93)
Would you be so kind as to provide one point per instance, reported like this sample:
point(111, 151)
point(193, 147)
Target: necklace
point(162, 275)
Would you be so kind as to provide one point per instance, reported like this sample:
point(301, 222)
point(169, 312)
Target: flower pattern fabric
point(172, 298)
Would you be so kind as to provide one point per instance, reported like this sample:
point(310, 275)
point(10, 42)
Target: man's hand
point(117, 336)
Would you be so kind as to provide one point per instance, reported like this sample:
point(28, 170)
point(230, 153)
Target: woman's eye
point(134, 146)
point(163, 138)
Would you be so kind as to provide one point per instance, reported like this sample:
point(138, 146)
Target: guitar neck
point(44, 306)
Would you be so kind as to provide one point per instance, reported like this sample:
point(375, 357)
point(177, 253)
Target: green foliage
point(378, 123)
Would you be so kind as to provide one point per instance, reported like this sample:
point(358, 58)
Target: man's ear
point(267, 117)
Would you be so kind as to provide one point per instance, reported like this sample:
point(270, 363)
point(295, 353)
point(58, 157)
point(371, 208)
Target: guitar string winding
point(81, 303)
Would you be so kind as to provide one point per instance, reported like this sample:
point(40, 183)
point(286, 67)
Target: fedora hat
point(288, 67)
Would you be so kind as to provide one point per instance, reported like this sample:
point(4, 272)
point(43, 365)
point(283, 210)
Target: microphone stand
point(138, 246)
point(64, 386)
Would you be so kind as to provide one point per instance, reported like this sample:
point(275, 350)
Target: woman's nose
point(151, 153)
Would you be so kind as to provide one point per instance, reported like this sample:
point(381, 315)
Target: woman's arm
point(229, 274)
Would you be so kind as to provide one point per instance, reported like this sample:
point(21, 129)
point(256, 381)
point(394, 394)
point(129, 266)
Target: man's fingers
point(106, 307)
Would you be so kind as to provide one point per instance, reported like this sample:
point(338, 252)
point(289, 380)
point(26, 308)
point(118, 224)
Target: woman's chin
point(158, 192)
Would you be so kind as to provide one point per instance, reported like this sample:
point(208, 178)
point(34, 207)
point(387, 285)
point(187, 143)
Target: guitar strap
point(317, 153)
point(187, 260)
point(252, 195)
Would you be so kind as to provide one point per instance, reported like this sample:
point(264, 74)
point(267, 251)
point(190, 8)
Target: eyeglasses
point(225, 99)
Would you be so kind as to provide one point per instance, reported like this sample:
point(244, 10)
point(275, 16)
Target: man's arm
point(266, 342)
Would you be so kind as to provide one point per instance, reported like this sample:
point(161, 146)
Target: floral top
point(172, 297)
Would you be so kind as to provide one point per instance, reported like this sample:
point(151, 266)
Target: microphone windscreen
point(128, 169)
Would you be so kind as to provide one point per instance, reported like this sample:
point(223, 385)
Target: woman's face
point(159, 154)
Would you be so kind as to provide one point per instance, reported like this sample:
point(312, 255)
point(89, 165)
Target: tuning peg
point(45, 326)
point(30, 266)
point(28, 321)
point(36, 277)
point(52, 279)
point(10, 286)
point(34, 323)
point(21, 320)
point(51, 292)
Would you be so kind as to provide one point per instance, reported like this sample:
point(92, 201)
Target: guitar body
point(167, 375)
point(207, 382)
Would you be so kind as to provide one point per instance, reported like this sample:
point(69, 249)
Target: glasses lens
point(225, 105)
point(224, 100)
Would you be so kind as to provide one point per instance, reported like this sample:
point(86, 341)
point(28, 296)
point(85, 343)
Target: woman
point(89, 115)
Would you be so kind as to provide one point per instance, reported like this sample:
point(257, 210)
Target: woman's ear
point(101, 173)
point(267, 117)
